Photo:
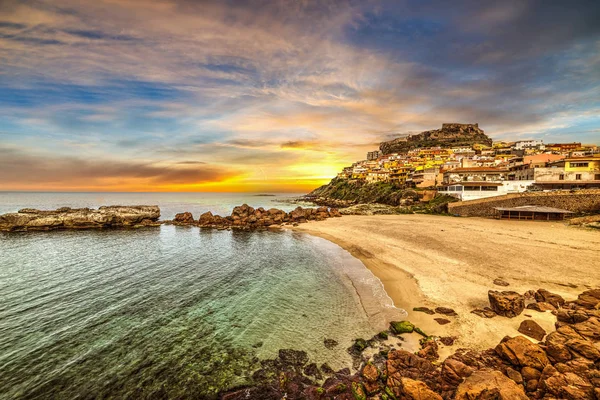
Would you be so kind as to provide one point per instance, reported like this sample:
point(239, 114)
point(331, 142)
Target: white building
point(529, 144)
point(480, 190)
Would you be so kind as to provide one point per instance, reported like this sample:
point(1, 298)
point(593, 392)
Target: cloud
point(23, 170)
point(276, 85)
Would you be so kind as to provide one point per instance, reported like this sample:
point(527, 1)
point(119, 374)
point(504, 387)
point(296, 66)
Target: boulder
point(206, 219)
point(489, 385)
point(541, 306)
point(400, 327)
point(542, 295)
point(454, 373)
point(500, 282)
point(521, 352)
point(590, 299)
point(370, 373)
point(417, 390)
point(508, 303)
point(532, 329)
point(185, 218)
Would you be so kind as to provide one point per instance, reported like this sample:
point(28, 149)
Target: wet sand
point(426, 260)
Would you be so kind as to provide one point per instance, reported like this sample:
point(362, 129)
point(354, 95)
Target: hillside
point(450, 135)
point(361, 192)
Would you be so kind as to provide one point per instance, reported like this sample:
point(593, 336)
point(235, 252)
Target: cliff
point(450, 135)
point(29, 219)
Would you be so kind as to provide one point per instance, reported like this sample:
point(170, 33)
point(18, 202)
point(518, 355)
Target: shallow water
point(172, 311)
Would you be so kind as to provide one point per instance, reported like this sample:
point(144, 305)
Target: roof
point(542, 158)
point(575, 159)
point(472, 183)
point(478, 169)
point(535, 209)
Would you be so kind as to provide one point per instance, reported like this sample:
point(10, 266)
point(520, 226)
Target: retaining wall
point(577, 201)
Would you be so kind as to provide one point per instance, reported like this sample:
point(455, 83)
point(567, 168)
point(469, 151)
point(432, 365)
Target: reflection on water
point(170, 311)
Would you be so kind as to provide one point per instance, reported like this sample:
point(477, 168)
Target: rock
point(529, 374)
point(542, 295)
point(447, 340)
point(484, 312)
point(541, 307)
point(590, 299)
point(400, 327)
point(454, 373)
point(521, 352)
point(382, 335)
point(446, 311)
point(583, 348)
point(293, 357)
point(489, 385)
point(508, 304)
point(312, 370)
point(185, 218)
point(442, 321)
point(424, 310)
point(80, 218)
point(326, 369)
point(358, 391)
point(370, 373)
point(417, 390)
point(206, 219)
point(500, 282)
point(532, 329)
point(359, 346)
point(429, 349)
point(514, 375)
point(330, 343)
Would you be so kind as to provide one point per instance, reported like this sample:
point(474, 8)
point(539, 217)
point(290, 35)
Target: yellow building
point(583, 164)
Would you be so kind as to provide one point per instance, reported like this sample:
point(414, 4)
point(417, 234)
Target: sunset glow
point(128, 95)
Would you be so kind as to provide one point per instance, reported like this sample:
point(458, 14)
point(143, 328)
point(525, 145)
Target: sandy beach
point(426, 260)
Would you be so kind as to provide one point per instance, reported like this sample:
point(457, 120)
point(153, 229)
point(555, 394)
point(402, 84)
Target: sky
point(276, 96)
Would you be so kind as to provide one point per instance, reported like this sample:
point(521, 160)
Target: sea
point(171, 312)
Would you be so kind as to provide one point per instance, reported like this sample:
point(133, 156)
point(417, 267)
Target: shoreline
point(400, 261)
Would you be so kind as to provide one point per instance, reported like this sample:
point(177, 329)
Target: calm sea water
point(173, 312)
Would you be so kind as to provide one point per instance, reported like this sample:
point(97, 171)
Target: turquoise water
point(170, 312)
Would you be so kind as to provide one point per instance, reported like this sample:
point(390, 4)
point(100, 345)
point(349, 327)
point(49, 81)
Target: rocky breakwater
point(29, 219)
point(248, 218)
point(565, 365)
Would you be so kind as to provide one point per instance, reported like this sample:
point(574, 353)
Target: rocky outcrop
point(248, 218)
point(450, 135)
point(29, 219)
point(566, 365)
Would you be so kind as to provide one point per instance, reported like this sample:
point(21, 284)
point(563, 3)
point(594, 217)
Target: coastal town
point(478, 168)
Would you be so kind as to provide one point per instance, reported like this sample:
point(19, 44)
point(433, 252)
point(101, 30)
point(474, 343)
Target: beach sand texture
point(427, 260)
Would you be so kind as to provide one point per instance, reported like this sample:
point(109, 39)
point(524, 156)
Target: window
point(597, 177)
point(578, 177)
point(561, 177)
point(489, 188)
point(579, 164)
